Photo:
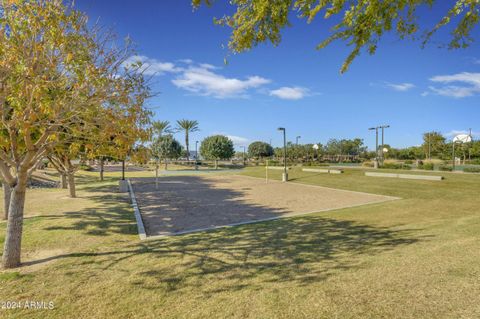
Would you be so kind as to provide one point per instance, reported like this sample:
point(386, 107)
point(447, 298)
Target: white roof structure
point(462, 138)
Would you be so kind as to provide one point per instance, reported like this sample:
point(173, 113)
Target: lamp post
point(196, 155)
point(383, 127)
point(285, 174)
point(376, 145)
point(378, 152)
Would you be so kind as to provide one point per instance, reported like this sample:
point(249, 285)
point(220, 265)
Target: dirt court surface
point(184, 204)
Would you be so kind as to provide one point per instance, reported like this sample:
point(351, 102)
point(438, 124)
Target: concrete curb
point(320, 170)
point(406, 176)
point(136, 211)
point(280, 168)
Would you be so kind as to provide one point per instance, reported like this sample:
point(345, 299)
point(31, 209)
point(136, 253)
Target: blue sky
point(293, 85)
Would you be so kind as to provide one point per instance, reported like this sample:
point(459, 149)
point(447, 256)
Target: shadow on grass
point(297, 250)
point(112, 215)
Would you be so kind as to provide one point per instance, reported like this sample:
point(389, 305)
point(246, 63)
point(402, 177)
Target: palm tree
point(161, 127)
point(188, 126)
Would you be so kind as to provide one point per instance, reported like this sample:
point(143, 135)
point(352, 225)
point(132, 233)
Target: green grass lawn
point(417, 257)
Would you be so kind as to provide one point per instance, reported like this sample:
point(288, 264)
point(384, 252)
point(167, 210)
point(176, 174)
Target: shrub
point(472, 169)
point(367, 164)
point(427, 166)
point(395, 166)
point(445, 168)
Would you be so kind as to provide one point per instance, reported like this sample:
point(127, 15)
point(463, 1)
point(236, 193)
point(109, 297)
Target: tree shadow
point(111, 215)
point(179, 204)
point(297, 251)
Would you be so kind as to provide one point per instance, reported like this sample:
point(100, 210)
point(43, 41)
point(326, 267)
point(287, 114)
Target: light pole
point(376, 145)
point(383, 127)
point(379, 153)
point(285, 174)
point(296, 139)
point(196, 155)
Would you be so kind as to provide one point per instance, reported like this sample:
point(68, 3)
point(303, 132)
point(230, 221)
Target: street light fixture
point(285, 174)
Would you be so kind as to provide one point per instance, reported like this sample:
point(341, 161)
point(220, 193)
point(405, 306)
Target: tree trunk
point(156, 175)
point(71, 184)
point(216, 164)
point(101, 169)
point(13, 239)
point(63, 181)
point(166, 165)
point(7, 192)
point(186, 144)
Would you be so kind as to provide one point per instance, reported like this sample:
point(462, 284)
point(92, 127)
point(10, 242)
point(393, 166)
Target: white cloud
point(152, 66)
point(467, 84)
point(186, 61)
point(290, 93)
point(203, 81)
point(401, 87)
point(206, 79)
point(208, 66)
point(238, 140)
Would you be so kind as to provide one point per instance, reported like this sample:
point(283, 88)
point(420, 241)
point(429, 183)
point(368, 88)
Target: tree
point(260, 149)
point(61, 158)
point(117, 132)
point(433, 144)
point(166, 147)
point(55, 72)
point(217, 147)
point(161, 127)
point(187, 126)
point(409, 153)
point(361, 24)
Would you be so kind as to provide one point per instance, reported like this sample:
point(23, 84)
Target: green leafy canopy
point(217, 147)
point(360, 23)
